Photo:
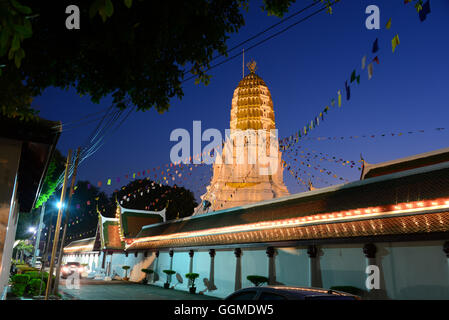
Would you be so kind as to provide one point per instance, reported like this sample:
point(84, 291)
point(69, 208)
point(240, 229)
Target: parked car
point(38, 263)
point(70, 268)
point(289, 293)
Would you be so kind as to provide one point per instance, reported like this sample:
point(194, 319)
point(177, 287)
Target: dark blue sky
point(303, 68)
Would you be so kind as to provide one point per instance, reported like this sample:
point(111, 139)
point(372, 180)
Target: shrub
point(126, 268)
point(348, 289)
point(19, 284)
point(34, 286)
point(147, 271)
point(18, 289)
point(192, 276)
point(257, 280)
point(20, 279)
point(168, 273)
point(24, 268)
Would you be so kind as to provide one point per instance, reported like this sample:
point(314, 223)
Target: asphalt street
point(122, 290)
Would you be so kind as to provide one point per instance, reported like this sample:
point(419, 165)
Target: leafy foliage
point(85, 193)
point(147, 271)
point(55, 168)
point(192, 276)
point(20, 278)
point(180, 202)
point(19, 284)
point(36, 287)
point(136, 51)
point(169, 272)
point(257, 280)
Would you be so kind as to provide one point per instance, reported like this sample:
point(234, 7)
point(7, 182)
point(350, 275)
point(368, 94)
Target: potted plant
point(126, 268)
point(147, 272)
point(192, 276)
point(257, 280)
point(168, 273)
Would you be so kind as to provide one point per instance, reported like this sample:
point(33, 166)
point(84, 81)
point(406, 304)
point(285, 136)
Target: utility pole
point(66, 221)
point(58, 226)
point(38, 238)
point(45, 254)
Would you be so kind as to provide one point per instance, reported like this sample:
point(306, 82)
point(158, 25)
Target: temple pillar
point(191, 253)
point(171, 253)
point(156, 276)
point(271, 266)
point(446, 251)
point(238, 269)
point(211, 285)
point(314, 267)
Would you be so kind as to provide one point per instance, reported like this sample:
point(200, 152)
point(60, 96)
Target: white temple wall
point(343, 265)
point(161, 263)
point(224, 263)
point(201, 265)
point(292, 266)
point(409, 270)
point(254, 262)
point(181, 263)
point(415, 270)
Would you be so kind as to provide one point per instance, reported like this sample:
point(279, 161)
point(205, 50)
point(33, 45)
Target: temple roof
point(413, 201)
point(407, 163)
point(131, 221)
point(252, 106)
point(83, 245)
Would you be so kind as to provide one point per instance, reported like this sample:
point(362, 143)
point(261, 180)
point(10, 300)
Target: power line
point(265, 40)
point(263, 31)
point(85, 117)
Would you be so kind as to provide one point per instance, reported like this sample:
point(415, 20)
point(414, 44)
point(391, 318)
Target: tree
point(137, 51)
point(23, 248)
point(146, 194)
point(55, 168)
point(83, 210)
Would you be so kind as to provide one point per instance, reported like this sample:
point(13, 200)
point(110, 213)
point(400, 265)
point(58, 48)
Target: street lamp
point(59, 205)
point(32, 230)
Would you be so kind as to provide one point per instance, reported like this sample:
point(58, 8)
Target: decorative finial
point(252, 66)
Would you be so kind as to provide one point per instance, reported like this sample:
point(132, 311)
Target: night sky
point(304, 68)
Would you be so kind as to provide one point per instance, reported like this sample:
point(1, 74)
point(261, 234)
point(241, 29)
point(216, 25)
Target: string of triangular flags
point(285, 143)
point(377, 135)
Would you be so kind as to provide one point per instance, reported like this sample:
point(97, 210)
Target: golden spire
point(252, 66)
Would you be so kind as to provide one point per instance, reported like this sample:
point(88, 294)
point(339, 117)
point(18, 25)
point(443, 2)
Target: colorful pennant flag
point(370, 71)
point(376, 45)
point(348, 91)
point(395, 42)
point(388, 26)
point(424, 11)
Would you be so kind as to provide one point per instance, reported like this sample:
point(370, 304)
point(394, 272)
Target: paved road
point(121, 290)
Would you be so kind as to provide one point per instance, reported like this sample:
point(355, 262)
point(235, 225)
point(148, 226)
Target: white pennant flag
point(363, 62)
point(370, 71)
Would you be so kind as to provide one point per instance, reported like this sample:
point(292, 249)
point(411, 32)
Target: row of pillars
point(315, 279)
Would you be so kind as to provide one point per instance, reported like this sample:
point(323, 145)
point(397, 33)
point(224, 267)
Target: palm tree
point(23, 247)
